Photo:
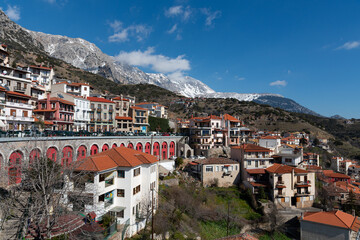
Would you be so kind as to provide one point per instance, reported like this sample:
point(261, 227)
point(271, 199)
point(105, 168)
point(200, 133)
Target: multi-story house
point(329, 177)
point(121, 182)
point(122, 106)
point(102, 114)
point(155, 109)
point(311, 159)
point(140, 119)
point(18, 111)
point(78, 89)
point(271, 142)
point(219, 172)
point(41, 75)
point(15, 79)
point(4, 55)
point(206, 134)
point(251, 156)
point(3, 126)
point(354, 171)
point(233, 134)
point(290, 155)
point(57, 111)
point(124, 124)
point(81, 109)
point(291, 186)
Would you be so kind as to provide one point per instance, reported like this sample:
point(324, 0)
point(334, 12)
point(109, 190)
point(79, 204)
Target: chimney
point(353, 212)
point(48, 106)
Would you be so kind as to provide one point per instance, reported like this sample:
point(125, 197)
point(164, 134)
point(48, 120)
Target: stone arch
point(34, 155)
point(156, 149)
point(164, 150)
point(172, 149)
point(130, 145)
point(114, 145)
point(81, 152)
point(94, 149)
point(52, 153)
point(105, 147)
point(148, 148)
point(67, 155)
point(139, 146)
point(15, 161)
point(122, 145)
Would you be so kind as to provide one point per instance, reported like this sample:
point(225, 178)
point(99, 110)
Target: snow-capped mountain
point(85, 55)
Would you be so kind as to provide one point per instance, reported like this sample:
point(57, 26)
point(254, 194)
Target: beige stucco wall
point(208, 178)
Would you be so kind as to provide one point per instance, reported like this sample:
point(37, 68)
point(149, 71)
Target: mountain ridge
point(87, 56)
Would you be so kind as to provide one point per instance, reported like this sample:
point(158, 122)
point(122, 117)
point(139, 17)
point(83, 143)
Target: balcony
point(111, 110)
point(280, 182)
point(99, 109)
point(25, 119)
point(19, 89)
point(109, 182)
point(305, 193)
point(308, 182)
point(19, 105)
point(280, 195)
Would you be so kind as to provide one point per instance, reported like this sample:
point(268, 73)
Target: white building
point(271, 142)
point(18, 111)
point(121, 183)
point(291, 155)
point(41, 75)
point(78, 89)
point(155, 109)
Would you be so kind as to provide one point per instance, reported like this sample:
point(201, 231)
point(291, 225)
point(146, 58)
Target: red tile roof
point(17, 94)
point(96, 99)
point(40, 67)
point(115, 157)
point(252, 148)
point(332, 174)
point(256, 171)
point(231, 118)
point(270, 137)
point(334, 218)
point(139, 108)
point(123, 118)
point(120, 99)
point(280, 168)
point(56, 99)
point(2, 89)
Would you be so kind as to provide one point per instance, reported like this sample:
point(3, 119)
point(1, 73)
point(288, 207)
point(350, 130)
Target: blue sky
point(305, 50)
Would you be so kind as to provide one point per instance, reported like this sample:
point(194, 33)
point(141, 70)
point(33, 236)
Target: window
point(249, 162)
point(288, 160)
point(105, 116)
point(153, 169)
point(136, 189)
point(120, 214)
point(102, 177)
point(121, 174)
point(209, 168)
point(105, 106)
point(13, 112)
point(262, 162)
point(136, 172)
point(152, 185)
point(217, 168)
point(121, 193)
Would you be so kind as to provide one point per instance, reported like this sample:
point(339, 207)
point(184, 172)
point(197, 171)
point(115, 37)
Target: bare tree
point(38, 198)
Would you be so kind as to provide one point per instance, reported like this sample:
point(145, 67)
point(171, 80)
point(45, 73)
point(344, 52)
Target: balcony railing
point(303, 182)
point(109, 182)
point(280, 183)
point(302, 193)
point(111, 110)
point(99, 109)
point(19, 89)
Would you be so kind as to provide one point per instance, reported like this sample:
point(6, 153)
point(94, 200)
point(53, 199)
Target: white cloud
point(156, 62)
point(240, 78)
point(210, 16)
point(123, 34)
point(350, 45)
point(173, 29)
point(280, 83)
point(179, 11)
point(13, 12)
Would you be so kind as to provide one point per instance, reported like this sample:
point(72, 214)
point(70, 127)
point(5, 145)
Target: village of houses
point(219, 151)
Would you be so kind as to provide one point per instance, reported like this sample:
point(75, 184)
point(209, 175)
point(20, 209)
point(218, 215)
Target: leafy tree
point(262, 193)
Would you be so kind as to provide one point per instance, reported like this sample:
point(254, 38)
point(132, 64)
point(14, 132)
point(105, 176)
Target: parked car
point(32, 133)
point(193, 157)
point(173, 157)
point(84, 133)
point(201, 157)
point(2, 133)
point(15, 133)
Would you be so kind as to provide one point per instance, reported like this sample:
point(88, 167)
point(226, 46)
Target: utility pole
point(152, 214)
point(228, 219)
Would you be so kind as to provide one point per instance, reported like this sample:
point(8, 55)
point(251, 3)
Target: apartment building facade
point(41, 75)
point(154, 109)
point(140, 117)
point(78, 89)
point(18, 111)
point(102, 114)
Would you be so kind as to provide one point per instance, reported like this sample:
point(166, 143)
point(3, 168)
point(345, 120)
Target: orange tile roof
point(251, 148)
point(280, 168)
point(120, 99)
point(115, 157)
point(332, 174)
point(256, 171)
point(18, 94)
point(40, 67)
point(145, 103)
point(56, 99)
point(139, 108)
point(123, 118)
point(231, 118)
point(96, 99)
point(334, 218)
point(2, 89)
point(270, 137)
